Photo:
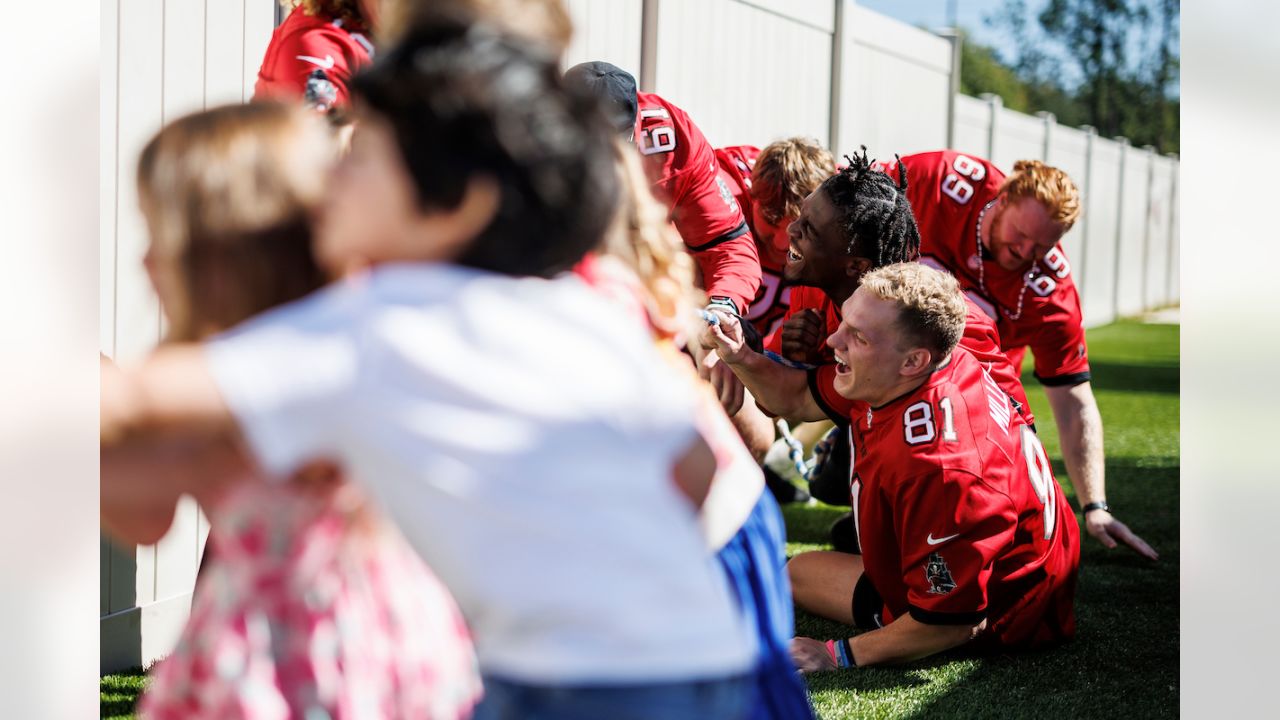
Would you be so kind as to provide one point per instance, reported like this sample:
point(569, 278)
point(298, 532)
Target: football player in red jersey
point(1000, 237)
point(769, 185)
point(681, 164)
point(315, 51)
point(965, 534)
point(856, 221)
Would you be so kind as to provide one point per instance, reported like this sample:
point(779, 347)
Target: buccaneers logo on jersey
point(939, 575)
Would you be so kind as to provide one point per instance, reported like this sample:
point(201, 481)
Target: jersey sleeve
point(682, 166)
point(714, 230)
point(1061, 353)
point(951, 527)
point(982, 340)
point(305, 62)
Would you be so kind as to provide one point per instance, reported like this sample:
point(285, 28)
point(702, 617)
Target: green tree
point(1112, 64)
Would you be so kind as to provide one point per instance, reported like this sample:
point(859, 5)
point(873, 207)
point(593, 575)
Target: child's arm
point(172, 389)
point(165, 431)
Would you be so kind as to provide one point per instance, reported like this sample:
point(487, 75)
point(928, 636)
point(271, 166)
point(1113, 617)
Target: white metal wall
point(1101, 213)
point(748, 72)
point(608, 31)
point(160, 59)
point(972, 126)
point(895, 85)
point(1129, 244)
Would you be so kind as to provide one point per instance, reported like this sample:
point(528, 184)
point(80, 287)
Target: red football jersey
point(804, 297)
point(980, 338)
point(305, 45)
point(774, 296)
point(958, 514)
point(947, 191)
point(680, 163)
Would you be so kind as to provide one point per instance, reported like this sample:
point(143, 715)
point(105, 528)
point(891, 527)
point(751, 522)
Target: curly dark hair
point(464, 101)
point(875, 216)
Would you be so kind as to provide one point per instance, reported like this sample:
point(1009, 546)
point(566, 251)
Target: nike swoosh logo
point(940, 540)
point(325, 64)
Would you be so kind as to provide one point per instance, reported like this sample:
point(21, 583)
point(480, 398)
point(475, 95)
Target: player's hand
point(1110, 532)
point(811, 655)
point(803, 335)
point(727, 385)
point(728, 339)
point(715, 316)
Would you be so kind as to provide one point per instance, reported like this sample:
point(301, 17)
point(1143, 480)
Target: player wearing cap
point(316, 50)
point(681, 165)
point(1000, 237)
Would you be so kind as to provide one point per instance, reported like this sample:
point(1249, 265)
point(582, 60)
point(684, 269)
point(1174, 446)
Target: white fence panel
point(894, 86)
point(1068, 151)
point(747, 74)
point(161, 59)
point(1156, 262)
point(1173, 271)
point(1101, 212)
point(972, 126)
point(1019, 137)
point(1130, 270)
point(608, 31)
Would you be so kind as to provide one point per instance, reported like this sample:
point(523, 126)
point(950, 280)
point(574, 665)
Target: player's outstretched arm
point(783, 390)
point(903, 640)
point(1080, 428)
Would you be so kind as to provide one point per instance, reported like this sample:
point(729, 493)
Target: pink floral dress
point(311, 607)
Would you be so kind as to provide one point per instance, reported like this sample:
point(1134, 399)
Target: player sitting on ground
point(1000, 237)
point(966, 534)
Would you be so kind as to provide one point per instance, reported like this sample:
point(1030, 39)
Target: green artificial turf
point(1124, 660)
point(120, 693)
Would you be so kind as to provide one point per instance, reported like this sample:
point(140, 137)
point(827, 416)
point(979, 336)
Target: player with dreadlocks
point(858, 220)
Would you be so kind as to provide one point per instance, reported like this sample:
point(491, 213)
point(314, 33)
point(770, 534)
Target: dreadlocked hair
point(874, 213)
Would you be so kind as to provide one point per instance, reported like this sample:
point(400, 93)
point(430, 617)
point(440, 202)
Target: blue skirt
point(754, 561)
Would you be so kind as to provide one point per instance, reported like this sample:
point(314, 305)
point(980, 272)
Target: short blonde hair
point(785, 173)
point(931, 308)
point(1047, 184)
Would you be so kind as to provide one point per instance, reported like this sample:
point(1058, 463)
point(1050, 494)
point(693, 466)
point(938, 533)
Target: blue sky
point(933, 14)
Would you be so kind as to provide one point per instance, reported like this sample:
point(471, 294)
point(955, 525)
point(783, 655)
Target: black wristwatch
point(1095, 506)
point(724, 303)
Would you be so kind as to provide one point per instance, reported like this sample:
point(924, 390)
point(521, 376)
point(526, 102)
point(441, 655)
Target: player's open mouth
point(842, 367)
point(793, 256)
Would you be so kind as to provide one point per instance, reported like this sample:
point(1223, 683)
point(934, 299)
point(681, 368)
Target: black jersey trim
point(929, 617)
point(731, 235)
point(837, 418)
point(1065, 380)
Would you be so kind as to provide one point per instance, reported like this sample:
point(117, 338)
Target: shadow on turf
point(1122, 377)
